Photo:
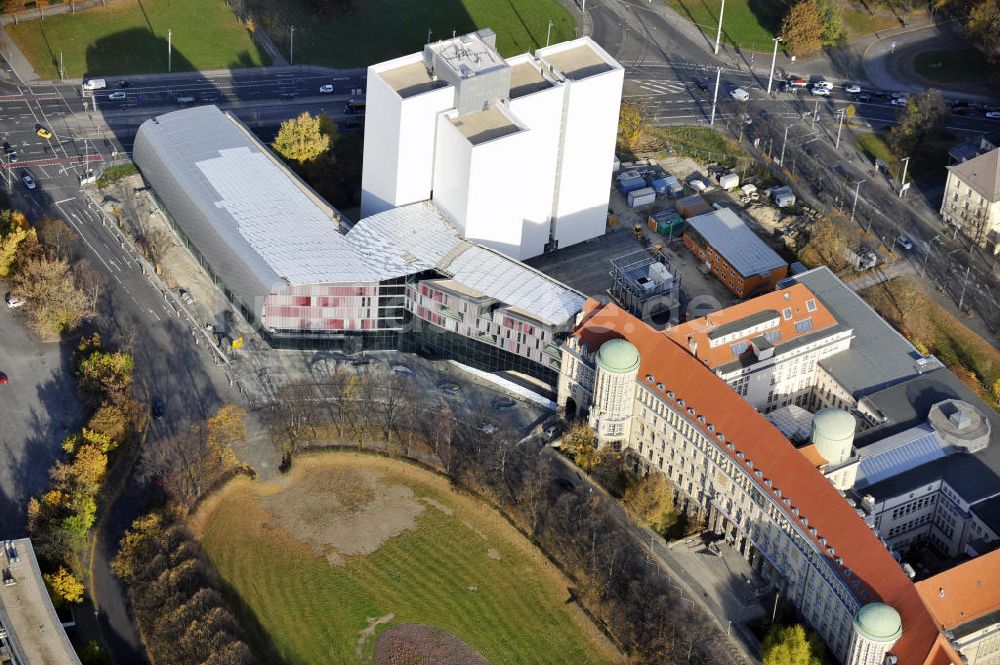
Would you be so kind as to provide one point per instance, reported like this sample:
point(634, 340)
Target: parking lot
point(38, 408)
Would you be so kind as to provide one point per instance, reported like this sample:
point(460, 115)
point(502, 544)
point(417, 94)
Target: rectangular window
point(805, 325)
point(811, 305)
point(787, 313)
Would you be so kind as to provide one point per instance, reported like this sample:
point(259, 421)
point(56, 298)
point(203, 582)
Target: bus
point(354, 105)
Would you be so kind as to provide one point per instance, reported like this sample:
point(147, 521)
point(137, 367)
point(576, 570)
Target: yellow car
point(44, 133)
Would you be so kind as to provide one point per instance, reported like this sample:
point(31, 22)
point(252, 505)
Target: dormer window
point(649, 377)
point(811, 305)
point(787, 314)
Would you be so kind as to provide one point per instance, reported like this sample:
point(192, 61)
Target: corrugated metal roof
point(241, 188)
point(735, 241)
point(405, 240)
point(898, 453)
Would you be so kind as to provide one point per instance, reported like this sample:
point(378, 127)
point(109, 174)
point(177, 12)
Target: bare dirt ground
point(341, 512)
point(413, 644)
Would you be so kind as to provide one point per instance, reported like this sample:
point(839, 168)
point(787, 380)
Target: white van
point(739, 94)
point(95, 84)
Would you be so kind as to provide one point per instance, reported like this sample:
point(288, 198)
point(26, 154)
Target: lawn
point(750, 24)
point(955, 65)
point(376, 30)
point(310, 586)
point(132, 39)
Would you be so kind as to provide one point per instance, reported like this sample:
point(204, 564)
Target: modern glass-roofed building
point(298, 271)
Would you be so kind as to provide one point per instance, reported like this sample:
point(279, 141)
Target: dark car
point(159, 408)
point(863, 97)
point(124, 84)
point(961, 110)
point(701, 83)
point(841, 170)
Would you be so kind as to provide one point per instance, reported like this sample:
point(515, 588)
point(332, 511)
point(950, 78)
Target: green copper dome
point(878, 622)
point(619, 356)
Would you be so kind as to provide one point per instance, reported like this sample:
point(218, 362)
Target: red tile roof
point(964, 593)
point(794, 297)
point(759, 441)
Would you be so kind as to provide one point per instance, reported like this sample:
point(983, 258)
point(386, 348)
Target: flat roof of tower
point(482, 126)
point(410, 79)
point(526, 79)
point(578, 62)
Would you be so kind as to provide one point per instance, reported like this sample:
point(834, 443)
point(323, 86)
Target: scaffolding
point(645, 283)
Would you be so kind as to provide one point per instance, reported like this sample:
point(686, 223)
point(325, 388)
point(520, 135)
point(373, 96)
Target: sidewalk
point(16, 62)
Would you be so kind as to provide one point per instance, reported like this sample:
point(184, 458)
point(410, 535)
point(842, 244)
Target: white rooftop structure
point(734, 240)
point(418, 237)
point(468, 55)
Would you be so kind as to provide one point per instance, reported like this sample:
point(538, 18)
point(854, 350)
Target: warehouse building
point(404, 278)
point(517, 152)
point(734, 253)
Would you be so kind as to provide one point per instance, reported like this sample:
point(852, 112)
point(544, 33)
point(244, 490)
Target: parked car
point(797, 82)
point(159, 408)
point(852, 88)
point(44, 133)
point(13, 302)
point(12, 157)
point(900, 101)
point(702, 84)
point(819, 91)
point(822, 83)
point(185, 296)
point(28, 181)
point(745, 117)
point(550, 431)
point(326, 89)
point(739, 94)
point(117, 96)
point(991, 107)
point(3, 378)
point(905, 242)
point(993, 114)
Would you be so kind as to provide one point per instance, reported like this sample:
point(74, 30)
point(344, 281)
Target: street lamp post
point(548, 33)
point(170, 41)
point(902, 181)
point(961, 298)
point(857, 190)
point(718, 34)
point(291, 47)
point(715, 97)
point(927, 253)
point(774, 57)
point(840, 125)
point(781, 160)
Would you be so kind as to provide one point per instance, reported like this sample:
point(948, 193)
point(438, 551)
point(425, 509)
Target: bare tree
point(56, 236)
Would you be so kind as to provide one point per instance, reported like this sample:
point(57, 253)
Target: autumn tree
point(802, 28)
point(649, 501)
point(301, 139)
point(924, 113)
point(110, 421)
point(831, 27)
point(789, 645)
point(56, 237)
point(580, 442)
point(226, 429)
point(64, 587)
point(102, 374)
point(631, 123)
point(15, 236)
point(983, 27)
point(54, 302)
point(850, 112)
point(829, 238)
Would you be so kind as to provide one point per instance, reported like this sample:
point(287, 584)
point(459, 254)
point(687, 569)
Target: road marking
point(65, 201)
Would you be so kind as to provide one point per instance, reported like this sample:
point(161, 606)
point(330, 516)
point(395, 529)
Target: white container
point(641, 197)
point(729, 181)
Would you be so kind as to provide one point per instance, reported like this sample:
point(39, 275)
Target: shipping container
point(629, 181)
point(729, 181)
point(783, 196)
point(693, 205)
point(641, 197)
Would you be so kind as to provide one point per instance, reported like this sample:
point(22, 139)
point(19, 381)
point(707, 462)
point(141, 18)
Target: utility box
point(629, 181)
point(783, 196)
point(729, 181)
point(641, 197)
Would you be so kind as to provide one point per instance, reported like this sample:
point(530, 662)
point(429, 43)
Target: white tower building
point(877, 626)
point(517, 152)
point(614, 391)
